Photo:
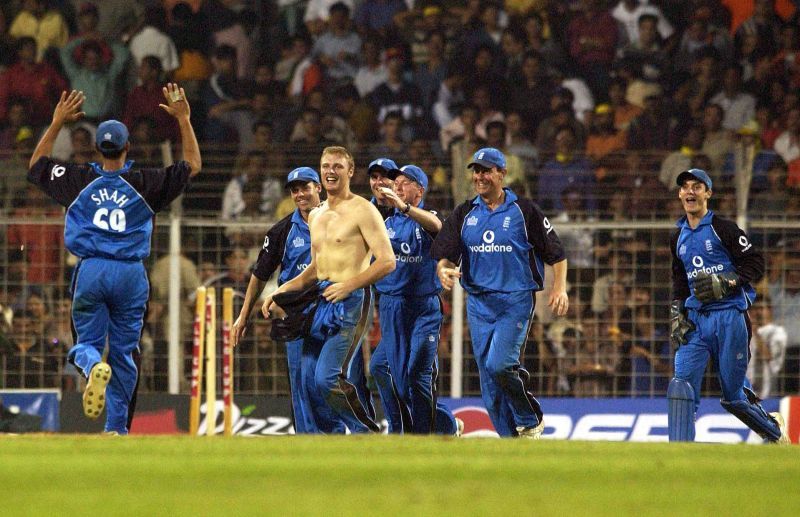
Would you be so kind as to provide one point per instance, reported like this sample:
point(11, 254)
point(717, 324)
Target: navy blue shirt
point(109, 213)
point(717, 245)
point(288, 245)
point(415, 274)
point(500, 250)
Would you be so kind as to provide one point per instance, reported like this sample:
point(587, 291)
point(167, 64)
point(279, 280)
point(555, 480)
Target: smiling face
point(336, 169)
point(408, 190)
point(378, 180)
point(305, 195)
point(488, 183)
point(694, 196)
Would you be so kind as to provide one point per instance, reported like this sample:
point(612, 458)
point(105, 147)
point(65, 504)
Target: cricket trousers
point(339, 373)
point(498, 324)
point(404, 365)
point(724, 337)
point(109, 299)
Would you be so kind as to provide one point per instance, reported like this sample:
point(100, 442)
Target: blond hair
point(341, 151)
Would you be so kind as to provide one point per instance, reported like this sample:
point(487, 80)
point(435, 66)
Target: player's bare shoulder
point(315, 212)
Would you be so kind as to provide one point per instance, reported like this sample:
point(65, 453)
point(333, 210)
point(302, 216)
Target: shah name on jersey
point(103, 195)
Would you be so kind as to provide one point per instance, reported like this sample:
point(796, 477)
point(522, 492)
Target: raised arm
point(178, 107)
point(67, 110)
point(427, 219)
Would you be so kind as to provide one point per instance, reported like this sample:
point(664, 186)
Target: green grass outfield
point(94, 476)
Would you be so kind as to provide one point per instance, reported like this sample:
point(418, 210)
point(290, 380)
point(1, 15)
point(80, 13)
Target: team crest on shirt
point(472, 221)
point(390, 231)
point(682, 250)
point(506, 223)
point(708, 245)
point(298, 242)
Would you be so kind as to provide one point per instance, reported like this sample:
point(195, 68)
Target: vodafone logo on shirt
point(488, 245)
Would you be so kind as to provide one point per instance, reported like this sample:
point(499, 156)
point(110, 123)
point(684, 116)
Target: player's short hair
point(111, 155)
point(341, 151)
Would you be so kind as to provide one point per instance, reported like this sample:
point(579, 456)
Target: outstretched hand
point(68, 107)
point(176, 105)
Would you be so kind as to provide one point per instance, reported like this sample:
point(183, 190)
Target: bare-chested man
point(346, 233)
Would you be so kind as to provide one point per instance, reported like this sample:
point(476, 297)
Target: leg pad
point(680, 396)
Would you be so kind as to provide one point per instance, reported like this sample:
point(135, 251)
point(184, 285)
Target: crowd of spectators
point(598, 106)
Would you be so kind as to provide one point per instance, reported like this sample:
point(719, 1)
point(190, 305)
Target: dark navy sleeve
point(160, 187)
point(271, 254)
point(541, 234)
point(447, 244)
point(61, 181)
point(748, 261)
point(680, 284)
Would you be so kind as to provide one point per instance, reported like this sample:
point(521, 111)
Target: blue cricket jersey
point(109, 213)
point(501, 250)
point(717, 245)
point(415, 274)
point(288, 245)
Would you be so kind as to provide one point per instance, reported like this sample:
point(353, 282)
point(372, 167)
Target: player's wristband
point(407, 208)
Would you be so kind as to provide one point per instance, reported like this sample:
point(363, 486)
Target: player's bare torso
point(340, 249)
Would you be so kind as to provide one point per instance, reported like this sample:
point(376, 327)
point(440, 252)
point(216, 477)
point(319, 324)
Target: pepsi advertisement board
point(635, 420)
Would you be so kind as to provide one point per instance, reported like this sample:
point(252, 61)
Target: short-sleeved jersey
point(501, 250)
point(415, 271)
point(717, 245)
point(288, 245)
point(109, 213)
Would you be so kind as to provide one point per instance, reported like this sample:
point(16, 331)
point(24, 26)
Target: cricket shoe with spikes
point(784, 439)
point(532, 433)
point(94, 396)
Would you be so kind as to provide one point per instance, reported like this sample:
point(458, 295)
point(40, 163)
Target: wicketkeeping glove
point(708, 288)
point(680, 325)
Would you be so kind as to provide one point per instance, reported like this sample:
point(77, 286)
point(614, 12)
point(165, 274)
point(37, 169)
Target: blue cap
point(112, 135)
point(386, 164)
point(694, 174)
point(488, 157)
point(302, 175)
point(414, 173)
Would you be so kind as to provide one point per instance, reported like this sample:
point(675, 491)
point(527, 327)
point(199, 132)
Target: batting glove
point(708, 288)
point(680, 325)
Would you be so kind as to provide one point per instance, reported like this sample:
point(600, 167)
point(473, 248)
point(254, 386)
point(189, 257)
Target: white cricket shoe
point(459, 427)
point(784, 439)
point(94, 396)
point(532, 433)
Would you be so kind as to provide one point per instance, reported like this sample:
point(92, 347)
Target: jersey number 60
point(114, 221)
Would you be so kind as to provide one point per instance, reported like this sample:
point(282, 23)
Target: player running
point(501, 243)
point(346, 233)
point(288, 245)
point(404, 364)
point(714, 265)
point(109, 220)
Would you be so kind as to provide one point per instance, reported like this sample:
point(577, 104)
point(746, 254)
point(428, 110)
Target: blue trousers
point(724, 337)
point(405, 363)
point(340, 328)
point(499, 324)
point(301, 406)
point(109, 298)
point(318, 417)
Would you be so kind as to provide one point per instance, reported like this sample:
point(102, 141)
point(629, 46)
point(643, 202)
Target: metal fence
point(613, 214)
point(613, 342)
